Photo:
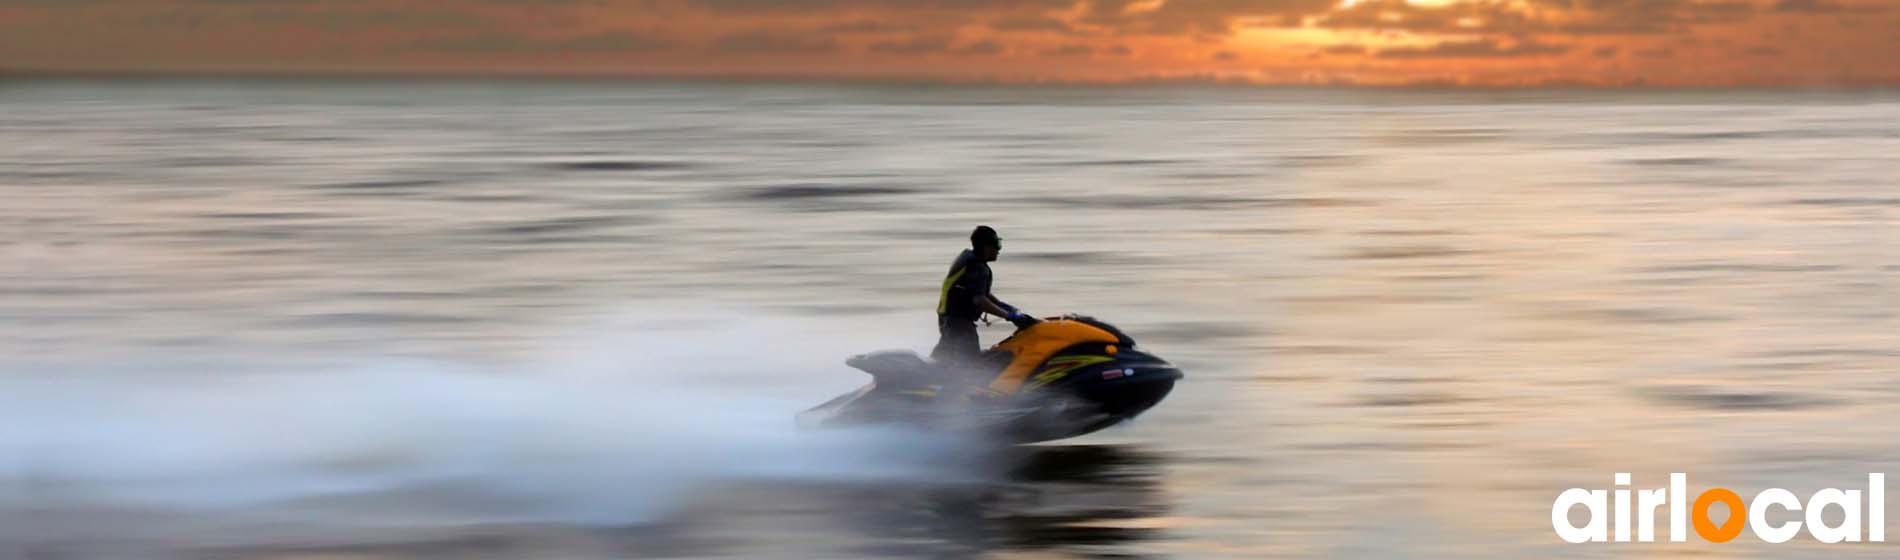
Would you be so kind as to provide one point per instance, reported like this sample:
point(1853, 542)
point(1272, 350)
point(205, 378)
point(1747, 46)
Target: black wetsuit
point(957, 311)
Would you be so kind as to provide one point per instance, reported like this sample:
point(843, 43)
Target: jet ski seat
point(897, 368)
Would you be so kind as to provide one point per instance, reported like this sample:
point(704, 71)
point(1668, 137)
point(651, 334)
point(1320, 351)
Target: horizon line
point(11, 74)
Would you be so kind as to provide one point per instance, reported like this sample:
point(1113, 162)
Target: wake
point(611, 429)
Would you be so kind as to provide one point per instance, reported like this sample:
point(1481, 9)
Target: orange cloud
point(1492, 42)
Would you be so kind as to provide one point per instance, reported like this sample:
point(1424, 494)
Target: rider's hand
point(1022, 320)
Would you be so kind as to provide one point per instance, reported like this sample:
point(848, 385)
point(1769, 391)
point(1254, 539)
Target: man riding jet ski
point(1056, 378)
point(966, 297)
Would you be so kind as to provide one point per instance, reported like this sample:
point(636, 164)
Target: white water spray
point(607, 434)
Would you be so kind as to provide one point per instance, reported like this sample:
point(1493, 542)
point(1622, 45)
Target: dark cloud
point(980, 47)
point(1433, 83)
point(1762, 51)
point(1117, 50)
point(1070, 50)
point(495, 43)
point(1718, 11)
point(1645, 16)
point(865, 26)
point(1479, 48)
point(357, 19)
point(613, 41)
point(1031, 23)
point(1226, 56)
point(1820, 7)
point(775, 42)
point(1605, 52)
point(1582, 17)
point(1660, 52)
point(1344, 49)
point(1196, 17)
point(915, 45)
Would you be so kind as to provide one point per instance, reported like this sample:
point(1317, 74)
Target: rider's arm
point(989, 305)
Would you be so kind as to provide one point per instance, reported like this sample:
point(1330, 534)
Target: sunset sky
point(1482, 42)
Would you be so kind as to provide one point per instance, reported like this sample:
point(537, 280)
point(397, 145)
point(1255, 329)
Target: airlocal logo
point(1754, 515)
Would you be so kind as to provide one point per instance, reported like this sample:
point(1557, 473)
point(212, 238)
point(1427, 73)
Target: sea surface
point(471, 319)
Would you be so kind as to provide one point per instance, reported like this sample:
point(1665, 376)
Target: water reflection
point(1080, 501)
point(1083, 500)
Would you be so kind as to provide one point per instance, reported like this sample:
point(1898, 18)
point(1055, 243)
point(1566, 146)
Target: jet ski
point(1057, 378)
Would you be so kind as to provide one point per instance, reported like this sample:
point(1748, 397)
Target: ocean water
point(466, 319)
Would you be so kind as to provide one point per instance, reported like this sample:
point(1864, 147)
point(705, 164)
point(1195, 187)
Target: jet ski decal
point(1057, 368)
point(1031, 346)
